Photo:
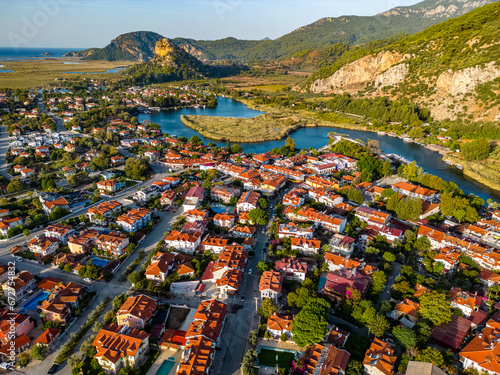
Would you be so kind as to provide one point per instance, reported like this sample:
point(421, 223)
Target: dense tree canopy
point(435, 307)
point(310, 324)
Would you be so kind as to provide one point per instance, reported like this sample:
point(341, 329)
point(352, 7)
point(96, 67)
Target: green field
point(268, 358)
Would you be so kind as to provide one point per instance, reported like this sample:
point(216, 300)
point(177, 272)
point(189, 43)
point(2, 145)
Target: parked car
point(87, 280)
point(19, 259)
point(53, 369)
point(5, 366)
point(243, 298)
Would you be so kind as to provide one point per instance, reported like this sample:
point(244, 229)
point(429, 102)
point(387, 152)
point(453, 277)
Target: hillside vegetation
point(350, 30)
point(430, 67)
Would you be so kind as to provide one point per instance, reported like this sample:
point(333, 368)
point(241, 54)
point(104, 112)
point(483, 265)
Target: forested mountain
point(350, 30)
point(455, 61)
point(322, 34)
point(135, 46)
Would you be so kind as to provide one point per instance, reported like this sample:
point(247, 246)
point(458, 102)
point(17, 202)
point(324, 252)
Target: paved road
point(111, 289)
point(386, 295)
point(59, 122)
point(4, 147)
point(234, 336)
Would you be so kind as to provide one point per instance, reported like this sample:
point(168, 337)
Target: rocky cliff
point(452, 68)
point(135, 46)
point(383, 69)
point(466, 80)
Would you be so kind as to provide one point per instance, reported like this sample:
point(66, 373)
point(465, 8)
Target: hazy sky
point(93, 23)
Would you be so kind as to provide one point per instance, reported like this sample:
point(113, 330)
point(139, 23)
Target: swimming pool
point(98, 261)
point(166, 366)
point(33, 302)
point(220, 209)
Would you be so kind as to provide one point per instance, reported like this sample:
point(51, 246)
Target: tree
point(290, 144)
point(300, 297)
point(354, 368)
point(253, 337)
point(379, 325)
point(258, 216)
point(386, 168)
point(476, 150)
point(267, 308)
point(371, 165)
point(310, 324)
point(263, 267)
point(136, 169)
point(405, 336)
point(389, 257)
point(26, 232)
point(38, 352)
point(15, 185)
point(263, 203)
point(248, 359)
point(236, 149)
point(422, 244)
point(379, 280)
point(24, 359)
point(355, 195)
point(431, 355)
point(284, 337)
point(195, 140)
point(435, 307)
point(67, 268)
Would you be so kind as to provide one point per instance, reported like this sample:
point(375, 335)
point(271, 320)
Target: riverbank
point(486, 171)
point(274, 124)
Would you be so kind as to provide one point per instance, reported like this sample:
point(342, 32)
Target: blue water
point(430, 161)
point(166, 366)
point(6, 71)
point(170, 121)
point(222, 209)
point(114, 70)
point(98, 261)
point(321, 283)
point(13, 54)
point(33, 302)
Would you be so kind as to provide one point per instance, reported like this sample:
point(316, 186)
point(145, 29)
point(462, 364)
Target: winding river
point(430, 161)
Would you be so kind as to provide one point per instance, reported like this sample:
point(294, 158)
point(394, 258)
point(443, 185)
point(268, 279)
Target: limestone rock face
point(382, 68)
point(466, 80)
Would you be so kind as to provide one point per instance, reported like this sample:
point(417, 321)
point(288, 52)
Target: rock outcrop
point(383, 69)
point(466, 80)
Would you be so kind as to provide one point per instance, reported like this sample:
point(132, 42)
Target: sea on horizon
point(13, 54)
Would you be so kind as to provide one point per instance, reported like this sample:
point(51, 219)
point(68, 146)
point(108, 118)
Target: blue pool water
point(166, 366)
point(222, 209)
point(33, 302)
point(322, 282)
point(98, 261)
point(219, 210)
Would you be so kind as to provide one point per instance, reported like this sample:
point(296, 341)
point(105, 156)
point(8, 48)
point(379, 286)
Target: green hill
point(135, 46)
point(350, 30)
point(458, 59)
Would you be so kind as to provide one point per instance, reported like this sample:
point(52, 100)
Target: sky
point(94, 23)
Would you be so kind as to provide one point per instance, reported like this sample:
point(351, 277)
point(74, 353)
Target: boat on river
point(449, 162)
point(460, 167)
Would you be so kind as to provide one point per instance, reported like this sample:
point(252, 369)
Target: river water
point(430, 161)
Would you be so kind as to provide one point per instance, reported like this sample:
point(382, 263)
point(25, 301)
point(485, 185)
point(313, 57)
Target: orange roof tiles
point(271, 280)
point(381, 356)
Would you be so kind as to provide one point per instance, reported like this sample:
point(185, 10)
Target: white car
point(19, 259)
point(5, 366)
point(87, 280)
